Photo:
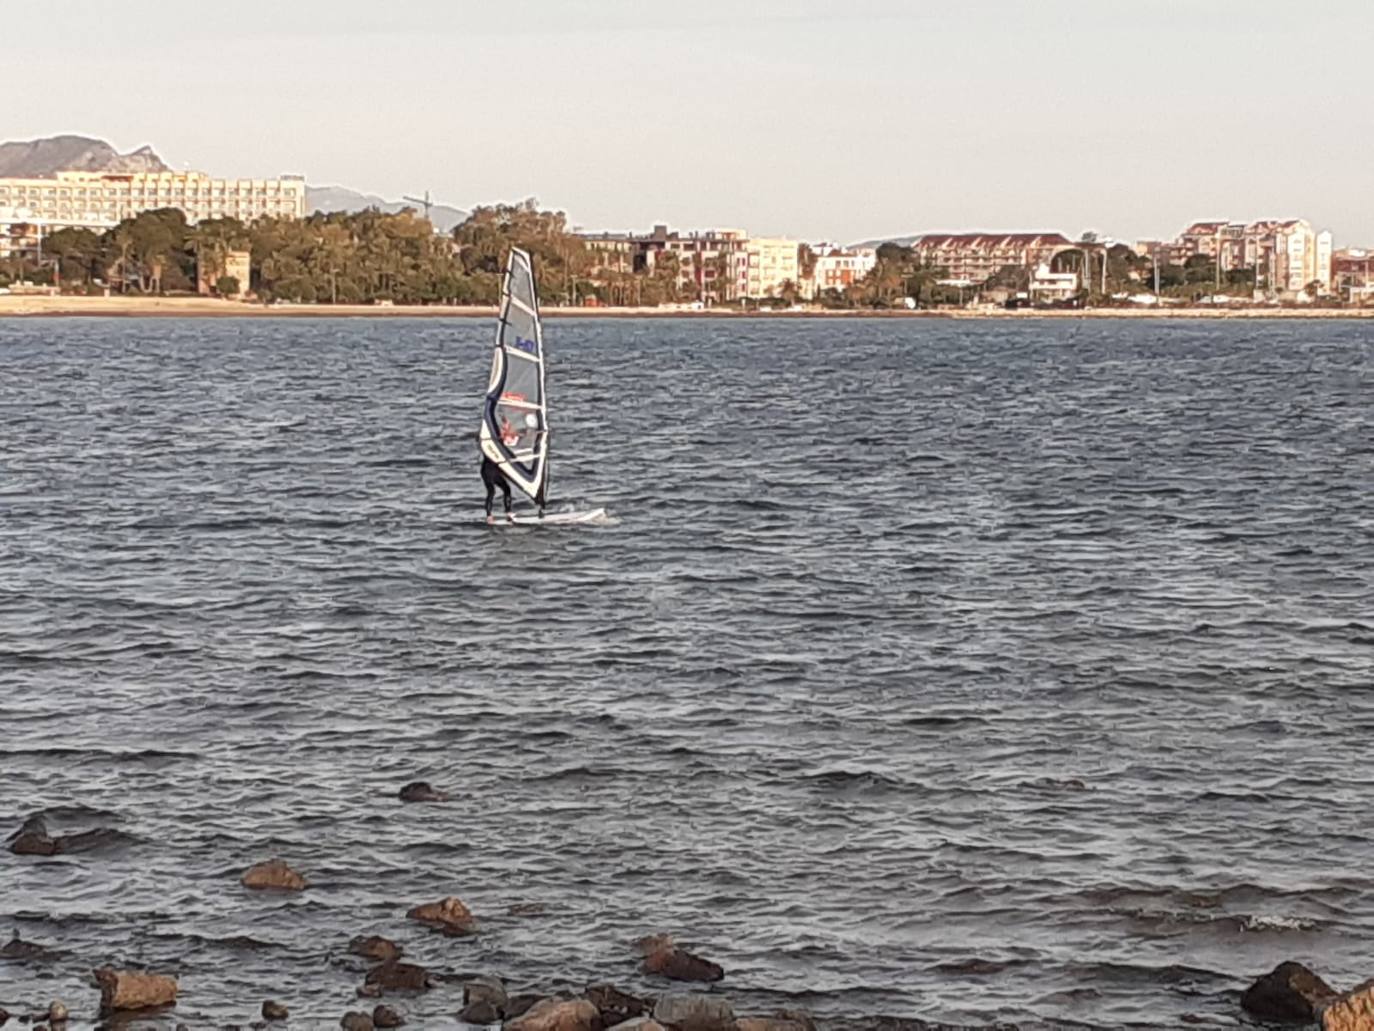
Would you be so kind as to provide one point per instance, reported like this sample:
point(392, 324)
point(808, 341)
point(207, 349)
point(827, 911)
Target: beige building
point(31, 209)
point(770, 264)
point(1287, 254)
point(973, 258)
point(838, 268)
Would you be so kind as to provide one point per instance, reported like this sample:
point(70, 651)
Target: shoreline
point(35, 306)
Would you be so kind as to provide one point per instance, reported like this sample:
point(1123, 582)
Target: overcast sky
point(821, 119)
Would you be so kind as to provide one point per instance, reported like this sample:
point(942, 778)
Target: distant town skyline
point(819, 121)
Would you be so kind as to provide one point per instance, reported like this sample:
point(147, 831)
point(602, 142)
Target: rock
point(15, 948)
point(4, 1016)
point(768, 1024)
point(662, 956)
point(558, 1015)
point(1353, 1011)
point(486, 989)
point(57, 1012)
point(274, 1011)
point(134, 990)
point(1290, 993)
point(275, 875)
point(615, 1006)
point(32, 839)
point(526, 909)
point(352, 1021)
point(481, 1012)
point(420, 791)
point(374, 946)
point(385, 1016)
point(639, 1024)
point(519, 1005)
point(693, 1011)
point(448, 915)
point(370, 991)
point(397, 976)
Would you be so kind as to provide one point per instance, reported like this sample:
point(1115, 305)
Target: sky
point(837, 120)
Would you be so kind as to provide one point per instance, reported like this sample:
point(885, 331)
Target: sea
point(998, 671)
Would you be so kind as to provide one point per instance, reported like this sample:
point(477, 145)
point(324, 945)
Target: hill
point(41, 158)
point(339, 198)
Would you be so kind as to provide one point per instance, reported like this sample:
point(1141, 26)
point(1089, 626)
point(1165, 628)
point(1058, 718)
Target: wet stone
point(32, 839)
point(354, 1021)
point(374, 946)
point(1290, 993)
point(449, 915)
point(1353, 1011)
point(273, 875)
point(134, 989)
point(57, 1012)
point(519, 1005)
point(558, 1015)
point(639, 1024)
point(420, 791)
point(681, 965)
point(486, 989)
point(274, 1011)
point(693, 1011)
point(397, 976)
point(385, 1016)
point(483, 1011)
point(615, 1006)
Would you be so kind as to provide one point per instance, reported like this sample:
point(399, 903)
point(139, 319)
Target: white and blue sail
point(515, 418)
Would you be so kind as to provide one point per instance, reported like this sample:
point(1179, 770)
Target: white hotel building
point(31, 209)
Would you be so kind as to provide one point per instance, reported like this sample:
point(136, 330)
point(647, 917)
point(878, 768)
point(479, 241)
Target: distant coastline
point(29, 306)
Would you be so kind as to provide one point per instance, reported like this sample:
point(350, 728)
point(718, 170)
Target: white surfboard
point(586, 516)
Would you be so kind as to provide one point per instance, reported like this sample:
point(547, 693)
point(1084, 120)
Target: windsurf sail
point(515, 424)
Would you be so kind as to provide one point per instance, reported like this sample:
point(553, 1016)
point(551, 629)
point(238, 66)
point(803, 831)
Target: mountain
point(31, 159)
point(339, 198)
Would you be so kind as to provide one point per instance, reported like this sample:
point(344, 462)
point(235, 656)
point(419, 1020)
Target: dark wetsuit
point(493, 477)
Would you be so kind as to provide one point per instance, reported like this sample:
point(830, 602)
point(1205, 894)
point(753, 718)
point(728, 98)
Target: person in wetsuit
point(493, 477)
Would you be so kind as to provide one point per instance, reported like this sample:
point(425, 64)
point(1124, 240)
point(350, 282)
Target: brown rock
point(558, 1015)
point(352, 1021)
point(419, 791)
point(274, 1011)
point(57, 1012)
point(1353, 1011)
point(693, 1011)
point(448, 915)
point(681, 965)
point(385, 1016)
point(480, 1012)
point(4, 1016)
point(639, 1024)
point(655, 943)
point(134, 990)
point(768, 1024)
point(374, 946)
point(486, 989)
point(615, 1006)
point(273, 874)
point(1290, 993)
point(397, 976)
point(32, 839)
point(370, 991)
point(519, 1005)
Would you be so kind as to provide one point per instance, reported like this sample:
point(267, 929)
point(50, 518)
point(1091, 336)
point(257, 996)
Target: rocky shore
point(693, 991)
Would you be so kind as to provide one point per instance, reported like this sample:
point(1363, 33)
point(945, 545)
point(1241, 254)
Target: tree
point(227, 286)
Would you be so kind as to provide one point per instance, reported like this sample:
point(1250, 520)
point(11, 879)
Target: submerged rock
point(397, 976)
point(1353, 1011)
point(385, 1016)
point(273, 875)
point(420, 791)
point(134, 990)
point(376, 947)
point(32, 839)
point(480, 1012)
point(615, 1006)
point(519, 1005)
point(558, 1015)
point(57, 1012)
point(769, 1024)
point(448, 915)
point(486, 989)
point(274, 1011)
point(663, 956)
point(693, 1011)
point(353, 1021)
point(1290, 993)
point(16, 948)
point(4, 1016)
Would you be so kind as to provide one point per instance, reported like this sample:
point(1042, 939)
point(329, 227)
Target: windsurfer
point(510, 436)
point(493, 477)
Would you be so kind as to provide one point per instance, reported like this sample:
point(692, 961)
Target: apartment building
point(31, 209)
point(973, 258)
point(1287, 254)
point(771, 264)
point(838, 268)
point(1352, 274)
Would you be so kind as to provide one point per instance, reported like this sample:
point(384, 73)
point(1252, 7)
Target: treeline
point(353, 258)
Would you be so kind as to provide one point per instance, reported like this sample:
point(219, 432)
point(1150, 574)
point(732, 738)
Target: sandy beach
point(210, 307)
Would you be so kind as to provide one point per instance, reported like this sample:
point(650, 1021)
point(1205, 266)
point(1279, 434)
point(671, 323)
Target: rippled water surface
point(970, 671)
